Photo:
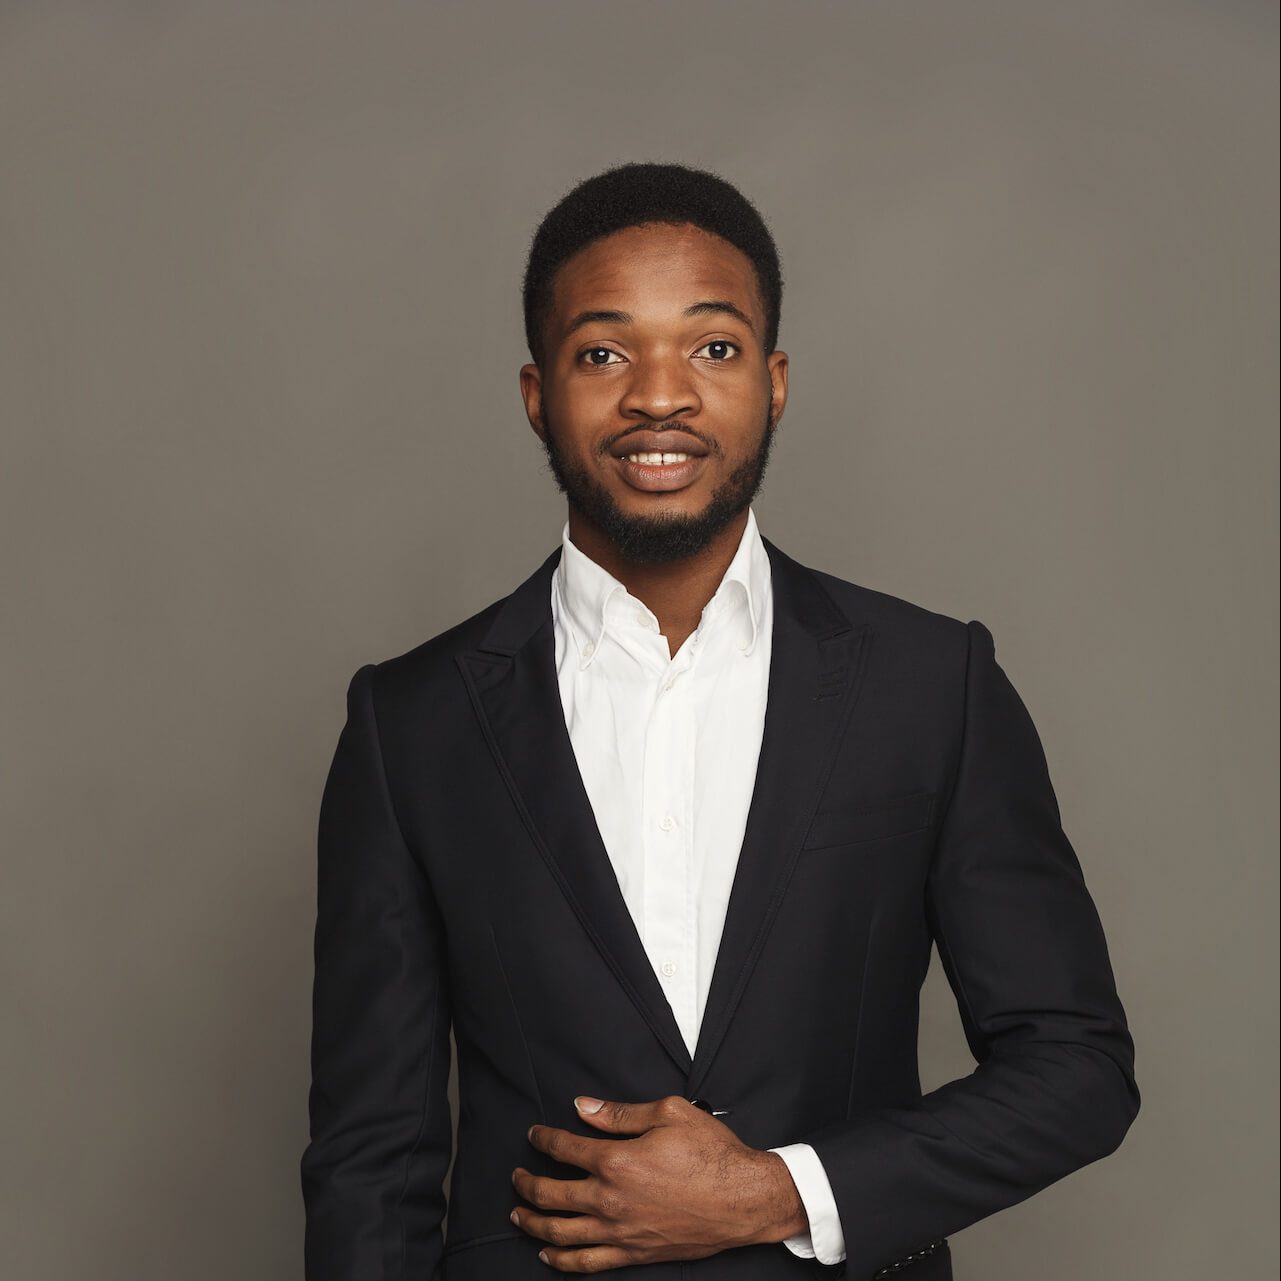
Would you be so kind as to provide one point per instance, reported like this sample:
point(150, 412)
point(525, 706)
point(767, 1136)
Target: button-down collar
point(591, 596)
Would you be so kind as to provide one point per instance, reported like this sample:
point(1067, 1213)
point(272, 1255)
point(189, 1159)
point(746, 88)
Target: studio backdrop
point(259, 339)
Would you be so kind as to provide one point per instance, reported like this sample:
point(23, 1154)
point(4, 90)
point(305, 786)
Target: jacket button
point(707, 1107)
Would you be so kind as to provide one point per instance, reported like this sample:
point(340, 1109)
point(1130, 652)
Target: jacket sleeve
point(1024, 952)
point(381, 1136)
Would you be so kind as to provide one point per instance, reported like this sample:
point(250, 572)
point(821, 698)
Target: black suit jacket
point(901, 800)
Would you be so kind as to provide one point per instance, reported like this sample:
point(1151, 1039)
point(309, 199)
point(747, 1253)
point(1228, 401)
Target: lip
point(659, 442)
point(661, 478)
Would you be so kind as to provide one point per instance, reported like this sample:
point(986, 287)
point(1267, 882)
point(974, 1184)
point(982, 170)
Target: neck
point(675, 591)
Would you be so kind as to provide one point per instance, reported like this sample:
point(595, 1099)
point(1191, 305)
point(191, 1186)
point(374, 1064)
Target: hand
point(685, 1188)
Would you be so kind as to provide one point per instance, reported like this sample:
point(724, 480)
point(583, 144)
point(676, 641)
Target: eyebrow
point(707, 308)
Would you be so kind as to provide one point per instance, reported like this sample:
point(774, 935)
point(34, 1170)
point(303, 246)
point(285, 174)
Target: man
point(666, 835)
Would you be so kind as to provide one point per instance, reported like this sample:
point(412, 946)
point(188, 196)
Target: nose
point(660, 387)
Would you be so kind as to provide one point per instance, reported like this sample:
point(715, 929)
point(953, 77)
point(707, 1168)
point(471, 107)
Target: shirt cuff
point(825, 1240)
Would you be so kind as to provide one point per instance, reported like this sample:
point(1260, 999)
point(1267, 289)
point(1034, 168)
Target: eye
point(592, 352)
point(720, 347)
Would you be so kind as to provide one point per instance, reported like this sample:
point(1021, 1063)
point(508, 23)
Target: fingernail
point(542, 1254)
point(515, 1218)
point(585, 1103)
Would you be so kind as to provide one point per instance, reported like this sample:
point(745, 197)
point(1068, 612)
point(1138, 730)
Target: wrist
point(784, 1211)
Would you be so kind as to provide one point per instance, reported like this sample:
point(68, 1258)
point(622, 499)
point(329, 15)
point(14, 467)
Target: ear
point(531, 391)
point(776, 363)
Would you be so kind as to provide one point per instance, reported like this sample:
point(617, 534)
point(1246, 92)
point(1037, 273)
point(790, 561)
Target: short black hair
point(633, 195)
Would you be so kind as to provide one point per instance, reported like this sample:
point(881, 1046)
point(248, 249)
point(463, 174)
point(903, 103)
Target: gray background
point(259, 335)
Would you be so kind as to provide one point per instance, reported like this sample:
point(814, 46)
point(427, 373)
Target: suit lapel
point(512, 679)
point(815, 663)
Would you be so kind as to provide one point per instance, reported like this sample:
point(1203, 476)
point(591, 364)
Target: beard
point(666, 536)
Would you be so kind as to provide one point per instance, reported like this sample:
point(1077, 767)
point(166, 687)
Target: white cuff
point(825, 1240)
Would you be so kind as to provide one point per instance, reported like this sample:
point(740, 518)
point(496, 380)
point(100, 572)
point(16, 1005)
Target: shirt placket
point(667, 809)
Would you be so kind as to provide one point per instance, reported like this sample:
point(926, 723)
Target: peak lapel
point(511, 677)
point(816, 664)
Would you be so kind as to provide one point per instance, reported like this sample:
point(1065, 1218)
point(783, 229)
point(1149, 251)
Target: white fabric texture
point(667, 746)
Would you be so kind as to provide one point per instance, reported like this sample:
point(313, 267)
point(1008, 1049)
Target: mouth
point(660, 473)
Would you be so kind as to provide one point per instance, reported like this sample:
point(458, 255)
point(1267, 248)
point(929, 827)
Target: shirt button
point(670, 683)
point(669, 968)
point(588, 650)
point(667, 822)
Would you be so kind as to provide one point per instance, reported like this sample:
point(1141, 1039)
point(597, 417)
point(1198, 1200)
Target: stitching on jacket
point(520, 1027)
point(846, 839)
point(862, 1007)
point(491, 1238)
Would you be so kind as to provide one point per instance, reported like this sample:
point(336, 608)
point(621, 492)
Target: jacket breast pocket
point(873, 821)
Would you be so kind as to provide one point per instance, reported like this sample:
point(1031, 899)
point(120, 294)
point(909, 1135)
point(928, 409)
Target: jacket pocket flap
point(893, 816)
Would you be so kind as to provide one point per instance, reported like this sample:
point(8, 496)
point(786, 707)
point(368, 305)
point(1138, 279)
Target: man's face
point(655, 343)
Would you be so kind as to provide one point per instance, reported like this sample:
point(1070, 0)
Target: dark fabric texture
point(902, 801)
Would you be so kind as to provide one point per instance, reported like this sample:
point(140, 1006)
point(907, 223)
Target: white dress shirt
point(668, 746)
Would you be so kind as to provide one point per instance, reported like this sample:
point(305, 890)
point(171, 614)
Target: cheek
point(581, 402)
point(741, 411)
point(744, 390)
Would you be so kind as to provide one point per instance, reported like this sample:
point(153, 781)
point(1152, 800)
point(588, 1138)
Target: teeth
point(655, 459)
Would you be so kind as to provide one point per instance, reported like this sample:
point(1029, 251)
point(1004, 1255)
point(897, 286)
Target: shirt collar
point(587, 589)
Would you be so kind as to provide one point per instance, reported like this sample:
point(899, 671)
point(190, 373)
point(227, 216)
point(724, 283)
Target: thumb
point(616, 1118)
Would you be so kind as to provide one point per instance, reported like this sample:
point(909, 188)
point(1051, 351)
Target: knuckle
point(671, 1107)
point(610, 1205)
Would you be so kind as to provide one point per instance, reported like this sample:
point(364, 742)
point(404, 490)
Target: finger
point(588, 1258)
point(634, 1118)
point(583, 1229)
point(573, 1149)
point(551, 1194)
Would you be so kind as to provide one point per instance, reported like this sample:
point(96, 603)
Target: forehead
point(656, 267)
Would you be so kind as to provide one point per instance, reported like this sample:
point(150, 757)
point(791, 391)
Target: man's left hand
point(684, 1188)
